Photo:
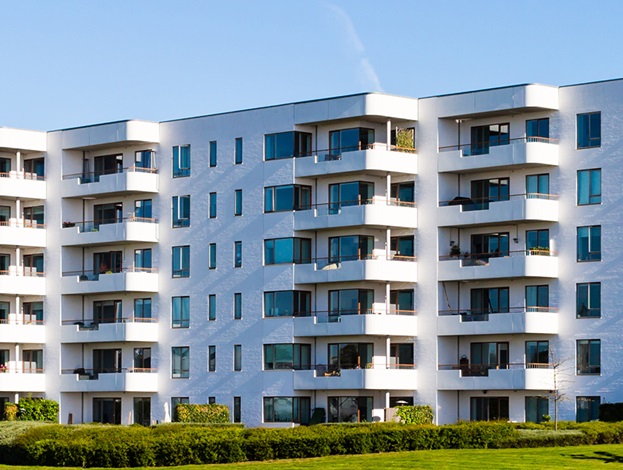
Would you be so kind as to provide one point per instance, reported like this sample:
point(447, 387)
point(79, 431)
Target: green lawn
point(545, 457)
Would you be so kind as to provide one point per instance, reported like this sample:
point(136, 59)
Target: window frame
point(212, 256)
point(591, 198)
point(178, 170)
point(586, 134)
point(238, 151)
point(237, 202)
point(212, 205)
point(211, 307)
point(586, 363)
point(590, 293)
point(213, 154)
point(212, 358)
point(238, 254)
point(592, 253)
point(180, 314)
point(237, 306)
point(180, 368)
point(237, 357)
point(180, 211)
point(182, 269)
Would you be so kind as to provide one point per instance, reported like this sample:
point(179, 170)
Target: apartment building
point(350, 254)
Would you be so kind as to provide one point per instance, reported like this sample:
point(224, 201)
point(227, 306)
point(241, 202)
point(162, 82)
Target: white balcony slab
point(22, 139)
point(544, 323)
point(357, 379)
point(22, 333)
point(363, 270)
point(114, 134)
point(135, 332)
point(115, 282)
point(356, 325)
point(129, 182)
point(106, 234)
point(515, 210)
point(499, 268)
point(18, 235)
point(515, 155)
point(22, 285)
point(111, 382)
point(498, 379)
point(371, 215)
point(23, 188)
point(22, 383)
point(377, 161)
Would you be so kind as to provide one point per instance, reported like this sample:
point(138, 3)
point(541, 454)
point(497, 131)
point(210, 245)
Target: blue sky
point(73, 62)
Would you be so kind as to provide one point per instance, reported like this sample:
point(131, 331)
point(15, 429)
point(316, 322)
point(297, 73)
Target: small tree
point(556, 394)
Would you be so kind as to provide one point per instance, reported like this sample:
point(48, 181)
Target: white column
point(19, 318)
point(388, 190)
point(388, 240)
point(18, 161)
point(18, 211)
point(16, 398)
point(387, 298)
point(387, 399)
point(18, 365)
point(18, 262)
point(387, 350)
point(389, 134)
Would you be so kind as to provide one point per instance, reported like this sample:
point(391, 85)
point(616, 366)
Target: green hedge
point(416, 414)
point(167, 445)
point(31, 409)
point(204, 413)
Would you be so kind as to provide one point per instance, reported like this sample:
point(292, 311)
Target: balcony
point(530, 320)
point(22, 381)
point(506, 377)
point(512, 264)
point(378, 159)
point(111, 135)
point(20, 232)
point(464, 212)
point(128, 280)
point(397, 323)
point(134, 229)
point(129, 181)
point(136, 330)
point(124, 380)
point(375, 212)
point(19, 330)
point(374, 378)
point(524, 152)
point(22, 281)
point(16, 184)
point(396, 268)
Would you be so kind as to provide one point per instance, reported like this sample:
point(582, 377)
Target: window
point(32, 360)
point(287, 356)
point(487, 356)
point(350, 248)
point(181, 261)
point(287, 410)
point(142, 411)
point(349, 140)
point(287, 145)
point(350, 302)
point(401, 302)
point(107, 410)
point(588, 358)
point(237, 410)
point(290, 197)
point(107, 262)
point(537, 298)
point(32, 312)
point(589, 187)
point(212, 256)
point(34, 168)
point(402, 248)
point(537, 242)
point(537, 354)
point(489, 245)
point(287, 250)
point(403, 192)
point(180, 312)
point(537, 186)
point(537, 130)
point(5, 261)
point(213, 154)
point(211, 400)
point(212, 207)
point(238, 254)
point(211, 358)
point(587, 409)
point(181, 211)
point(4, 357)
point(180, 362)
point(350, 409)
point(238, 152)
point(237, 357)
point(589, 130)
point(238, 202)
point(536, 409)
point(354, 193)
point(488, 408)
point(142, 210)
point(111, 213)
point(107, 311)
point(178, 401)
point(5, 214)
point(33, 265)
point(589, 243)
point(181, 161)
point(5, 307)
point(107, 361)
point(401, 356)
point(485, 301)
point(490, 190)
point(142, 260)
point(107, 165)
point(142, 359)
point(287, 303)
point(5, 166)
point(212, 307)
point(34, 217)
point(350, 355)
point(142, 309)
point(144, 160)
point(237, 306)
point(588, 300)
point(484, 137)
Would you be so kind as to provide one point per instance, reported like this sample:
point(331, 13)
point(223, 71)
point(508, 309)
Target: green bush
point(214, 413)
point(417, 414)
point(611, 412)
point(37, 409)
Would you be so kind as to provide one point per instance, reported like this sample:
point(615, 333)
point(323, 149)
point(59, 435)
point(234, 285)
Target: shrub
point(37, 409)
point(611, 412)
point(10, 411)
point(417, 414)
point(214, 413)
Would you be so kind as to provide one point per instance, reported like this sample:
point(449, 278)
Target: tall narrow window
point(181, 161)
point(181, 261)
point(589, 243)
point(213, 154)
point(212, 207)
point(237, 410)
point(238, 254)
point(238, 155)
point(180, 312)
point(181, 211)
point(237, 306)
point(212, 256)
point(238, 202)
point(589, 187)
point(180, 362)
point(589, 130)
point(237, 357)
point(588, 300)
point(211, 358)
point(212, 307)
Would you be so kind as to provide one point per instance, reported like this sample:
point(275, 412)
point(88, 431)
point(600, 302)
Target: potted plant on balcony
point(455, 250)
point(68, 224)
point(405, 140)
point(539, 251)
point(3, 369)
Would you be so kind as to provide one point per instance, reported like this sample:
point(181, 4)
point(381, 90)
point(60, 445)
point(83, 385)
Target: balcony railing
point(93, 374)
point(89, 275)
point(93, 226)
point(328, 155)
point(331, 208)
point(94, 176)
point(21, 223)
point(332, 370)
point(93, 324)
point(324, 316)
point(25, 369)
point(471, 315)
point(475, 204)
point(482, 370)
point(22, 175)
point(482, 148)
point(23, 271)
point(23, 320)
point(482, 259)
point(334, 262)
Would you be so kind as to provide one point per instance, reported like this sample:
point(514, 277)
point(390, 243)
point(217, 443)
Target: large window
point(537, 130)
point(537, 186)
point(589, 243)
point(111, 213)
point(403, 192)
point(350, 355)
point(142, 309)
point(349, 140)
point(287, 410)
point(589, 187)
point(489, 245)
point(181, 261)
point(213, 153)
point(181, 211)
point(537, 298)
point(487, 136)
point(287, 356)
point(589, 130)
point(350, 409)
point(107, 361)
point(587, 409)
point(536, 409)
point(537, 354)
point(287, 303)
point(212, 256)
point(107, 311)
point(5, 307)
point(34, 216)
point(34, 168)
point(487, 300)
point(181, 161)
point(353, 193)
point(32, 361)
point(238, 151)
point(142, 260)
point(537, 242)
point(588, 358)
point(287, 145)
point(33, 312)
point(287, 250)
point(588, 300)
point(107, 165)
point(290, 197)
point(144, 160)
point(142, 210)
point(487, 356)
point(490, 190)
point(180, 312)
point(107, 410)
point(350, 302)
point(33, 265)
point(401, 302)
point(350, 248)
point(180, 362)
point(402, 248)
point(107, 262)
point(142, 360)
point(488, 408)
point(142, 411)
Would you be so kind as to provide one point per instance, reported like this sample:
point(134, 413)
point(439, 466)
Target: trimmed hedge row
point(166, 445)
point(202, 413)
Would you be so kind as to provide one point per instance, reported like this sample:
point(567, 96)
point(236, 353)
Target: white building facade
point(350, 254)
